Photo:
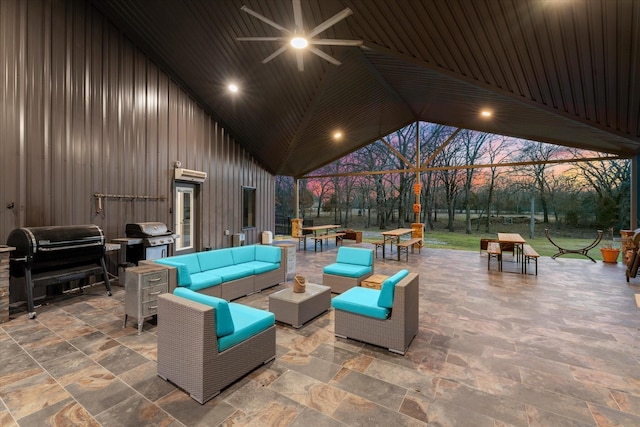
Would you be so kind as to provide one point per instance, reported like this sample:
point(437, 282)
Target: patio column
point(633, 193)
point(296, 195)
point(296, 223)
point(5, 251)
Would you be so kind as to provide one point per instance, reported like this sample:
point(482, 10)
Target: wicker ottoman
point(298, 308)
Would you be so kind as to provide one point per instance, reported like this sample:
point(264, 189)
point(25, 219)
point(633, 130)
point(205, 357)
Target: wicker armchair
point(188, 353)
point(397, 331)
point(352, 266)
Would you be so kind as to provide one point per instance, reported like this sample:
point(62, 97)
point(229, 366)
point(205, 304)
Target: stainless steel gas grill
point(148, 240)
point(57, 254)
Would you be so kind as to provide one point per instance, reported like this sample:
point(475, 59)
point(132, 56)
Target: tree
point(610, 180)
point(540, 152)
point(474, 144)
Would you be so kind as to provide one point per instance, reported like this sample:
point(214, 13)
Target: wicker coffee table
point(298, 308)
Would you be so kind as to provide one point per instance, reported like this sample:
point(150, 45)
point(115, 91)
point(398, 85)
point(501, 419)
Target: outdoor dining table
point(316, 228)
point(392, 236)
point(515, 238)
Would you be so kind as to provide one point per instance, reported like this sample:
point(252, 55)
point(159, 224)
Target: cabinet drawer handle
point(153, 307)
point(157, 279)
point(154, 293)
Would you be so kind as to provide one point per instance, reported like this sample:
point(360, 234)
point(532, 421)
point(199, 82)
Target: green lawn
point(471, 242)
point(443, 238)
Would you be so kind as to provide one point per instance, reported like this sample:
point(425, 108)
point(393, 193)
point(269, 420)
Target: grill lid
point(147, 229)
point(44, 249)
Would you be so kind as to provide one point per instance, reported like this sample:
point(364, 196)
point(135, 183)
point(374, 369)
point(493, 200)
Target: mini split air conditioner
point(190, 175)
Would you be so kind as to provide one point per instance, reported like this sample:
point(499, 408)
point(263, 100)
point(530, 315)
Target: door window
point(185, 218)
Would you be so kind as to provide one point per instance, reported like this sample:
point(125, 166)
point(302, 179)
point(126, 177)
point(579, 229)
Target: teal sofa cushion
point(266, 253)
point(347, 270)
point(232, 272)
point(363, 301)
point(248, 321)
point(210, 260)
point(358, 256)
point(224, 319)
point(243, 254)
point(388, 289)
point(182, 271)
point(204, 280)
point(261, 267)
point(190, 260)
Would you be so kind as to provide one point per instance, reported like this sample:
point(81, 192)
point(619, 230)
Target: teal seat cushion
point(233, 272)
point(358, 256)
point(210, 260)
point(266, 253)
point(261, 267)
point(182, 271)
point(224, 319)
point(248, 321)
point(204, 280)
point(243, 254)
point(347, 270)
point(363, 301)
point(388, 289)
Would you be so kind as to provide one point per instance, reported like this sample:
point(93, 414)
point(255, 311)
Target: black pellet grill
point(54, 255)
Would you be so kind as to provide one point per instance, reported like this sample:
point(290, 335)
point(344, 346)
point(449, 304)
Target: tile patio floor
point(493, 349)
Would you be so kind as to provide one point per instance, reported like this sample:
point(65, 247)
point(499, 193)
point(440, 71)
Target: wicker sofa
point(352, 266)
point(387, 317)
point(228, 273)
point(206, 343)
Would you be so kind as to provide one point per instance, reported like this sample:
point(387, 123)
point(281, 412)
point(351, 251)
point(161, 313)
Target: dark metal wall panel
point(10, 122)
point(83, 111)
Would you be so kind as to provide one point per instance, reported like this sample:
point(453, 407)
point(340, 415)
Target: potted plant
point(609, 252)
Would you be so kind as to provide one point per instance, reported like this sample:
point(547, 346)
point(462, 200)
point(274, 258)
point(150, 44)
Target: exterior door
point(185, 217)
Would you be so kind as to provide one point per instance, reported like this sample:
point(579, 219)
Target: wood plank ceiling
point(560, 71)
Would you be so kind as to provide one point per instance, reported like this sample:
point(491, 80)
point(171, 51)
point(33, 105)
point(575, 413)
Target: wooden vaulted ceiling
point(559, 71)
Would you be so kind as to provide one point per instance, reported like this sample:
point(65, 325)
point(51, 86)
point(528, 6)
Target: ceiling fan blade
point(329, 22)
point(274, 54)
point(297, 16)
point(264, 19)
point(261, 39)
point(336, 42)
point(324, 56)
point(299, 60)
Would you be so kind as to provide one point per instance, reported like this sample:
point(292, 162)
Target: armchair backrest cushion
point(388, 287)
point(267, 253)
point(224, 321)
point(358, 256)
point(219, 258)
point(243, 254)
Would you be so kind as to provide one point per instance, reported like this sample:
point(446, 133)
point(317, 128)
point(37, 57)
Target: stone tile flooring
point(493, 349)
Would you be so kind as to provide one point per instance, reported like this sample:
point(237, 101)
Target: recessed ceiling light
point(233, 87)
point(299, 42)
point(337, 135)
point(485, 113)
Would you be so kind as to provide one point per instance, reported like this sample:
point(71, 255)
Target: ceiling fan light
point(299, 42)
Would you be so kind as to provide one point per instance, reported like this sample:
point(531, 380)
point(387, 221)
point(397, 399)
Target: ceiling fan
point(298, 38)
